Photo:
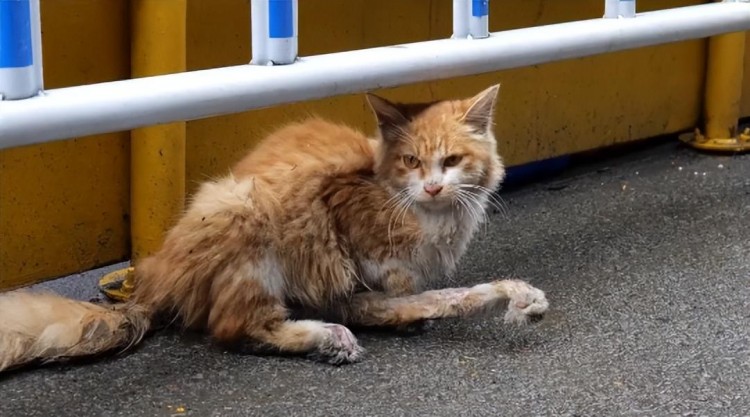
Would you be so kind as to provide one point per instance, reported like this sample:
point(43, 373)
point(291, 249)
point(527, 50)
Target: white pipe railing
point(123, 105)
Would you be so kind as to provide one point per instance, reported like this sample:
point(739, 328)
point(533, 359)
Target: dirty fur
point(317, 218)
point(40, 327)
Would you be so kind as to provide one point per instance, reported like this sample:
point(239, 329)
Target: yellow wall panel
point(745, 107)
point(64, 205)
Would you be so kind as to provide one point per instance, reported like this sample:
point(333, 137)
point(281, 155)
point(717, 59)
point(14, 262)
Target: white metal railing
point(123, 105)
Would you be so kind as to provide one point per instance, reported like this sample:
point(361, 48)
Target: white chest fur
point(445, 238)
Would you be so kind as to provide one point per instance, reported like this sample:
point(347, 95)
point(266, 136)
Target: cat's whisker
point(402, 202)
point(475, 207)
point(493, 199)
point(394, 199)
point(465, 207)
point(394, 208)
point(471, 199)
point(410, 199)
point(461, 196)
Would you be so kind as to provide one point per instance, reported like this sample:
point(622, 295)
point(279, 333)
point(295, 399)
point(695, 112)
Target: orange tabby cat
point(317, 219)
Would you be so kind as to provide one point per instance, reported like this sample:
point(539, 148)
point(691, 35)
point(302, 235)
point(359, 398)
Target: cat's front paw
point(340, 347)
point(526, 304)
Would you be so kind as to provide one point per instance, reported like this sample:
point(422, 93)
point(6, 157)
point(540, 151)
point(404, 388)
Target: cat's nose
point(433, 189)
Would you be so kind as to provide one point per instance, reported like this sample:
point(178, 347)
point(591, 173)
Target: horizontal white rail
point(123, 105)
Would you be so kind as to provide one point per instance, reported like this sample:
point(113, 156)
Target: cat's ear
point(390, 119)
point(481, 110)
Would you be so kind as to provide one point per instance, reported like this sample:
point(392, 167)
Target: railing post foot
point(724, 77)
point(157, 153)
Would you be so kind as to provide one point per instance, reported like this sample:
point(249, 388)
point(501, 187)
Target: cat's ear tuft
point(389, 117)
point(482, 110)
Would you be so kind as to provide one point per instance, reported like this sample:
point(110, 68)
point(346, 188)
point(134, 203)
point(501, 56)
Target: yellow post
point(722, 98)
point(157, 167)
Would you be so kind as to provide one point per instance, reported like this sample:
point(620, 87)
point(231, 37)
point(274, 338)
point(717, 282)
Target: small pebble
point(721, 166)
point(679, 168)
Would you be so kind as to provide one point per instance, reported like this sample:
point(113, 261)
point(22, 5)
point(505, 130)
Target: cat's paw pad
point(340, 347)
point(527, 304)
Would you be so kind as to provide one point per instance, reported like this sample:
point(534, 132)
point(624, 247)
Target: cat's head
point(438, 154)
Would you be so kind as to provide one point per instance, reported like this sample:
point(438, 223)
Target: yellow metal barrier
point(158, 152)
point(723, 97)
point(64, 206)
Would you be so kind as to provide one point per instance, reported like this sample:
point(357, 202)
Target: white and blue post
point(471, 19)
point(274, 34)
point(627, 8)
point(614, 9)
point(20, 49)
point(479, 22)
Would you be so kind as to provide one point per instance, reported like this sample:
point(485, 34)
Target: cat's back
point(302, 151)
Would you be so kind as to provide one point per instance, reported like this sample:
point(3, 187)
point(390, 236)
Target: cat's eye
point(411, 161)
point(452, 161)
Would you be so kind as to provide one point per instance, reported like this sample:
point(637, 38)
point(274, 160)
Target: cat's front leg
point(399, 282)
point(524, 303)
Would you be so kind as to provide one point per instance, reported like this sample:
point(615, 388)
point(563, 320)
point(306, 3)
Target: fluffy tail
point(38, 327)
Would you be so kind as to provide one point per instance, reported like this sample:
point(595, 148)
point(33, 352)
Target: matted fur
point(319, 219)
point(46, 327)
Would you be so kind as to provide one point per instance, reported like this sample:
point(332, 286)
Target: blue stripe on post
point(15, 34)
point(480, 8)
point(280, 18)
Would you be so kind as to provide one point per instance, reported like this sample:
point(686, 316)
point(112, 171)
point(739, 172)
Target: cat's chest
point(435, 257)
point(443, 243)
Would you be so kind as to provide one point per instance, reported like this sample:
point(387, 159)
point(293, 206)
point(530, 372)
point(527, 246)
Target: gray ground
point(645, 259)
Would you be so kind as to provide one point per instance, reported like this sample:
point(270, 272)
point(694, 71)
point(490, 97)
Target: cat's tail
point(37, 327)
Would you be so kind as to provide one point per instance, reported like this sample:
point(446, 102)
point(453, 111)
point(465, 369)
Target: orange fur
point(45, 327)
point(314, 217)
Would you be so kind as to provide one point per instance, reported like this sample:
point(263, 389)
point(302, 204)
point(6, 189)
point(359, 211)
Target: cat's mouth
point(437, 203)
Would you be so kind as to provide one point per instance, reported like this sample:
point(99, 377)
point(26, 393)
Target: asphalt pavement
point(645, 259)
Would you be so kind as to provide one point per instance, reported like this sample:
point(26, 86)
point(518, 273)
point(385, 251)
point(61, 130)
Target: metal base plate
point(697, 140)
point(117, 285)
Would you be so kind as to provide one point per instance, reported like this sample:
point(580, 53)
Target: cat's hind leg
point(324, 342)
point(523, 301)
point(244, 311)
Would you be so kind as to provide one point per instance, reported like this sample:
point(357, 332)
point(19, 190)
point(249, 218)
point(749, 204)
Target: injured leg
point(523, 301)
